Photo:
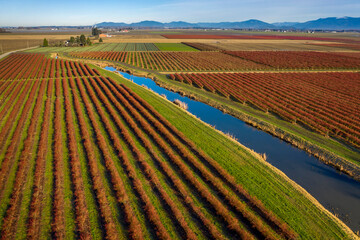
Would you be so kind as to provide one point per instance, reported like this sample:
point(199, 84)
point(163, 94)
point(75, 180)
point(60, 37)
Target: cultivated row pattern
point(176, 61)
point(35, 66)
point(84, 157)
point(299, 59)
point(326, 102)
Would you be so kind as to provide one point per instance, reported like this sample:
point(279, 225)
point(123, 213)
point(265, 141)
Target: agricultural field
point(228, 60)
point(271, 45)
point(321, 140)
point(242, 45)
point(21, 40)
point(349, 54)
point(256, 36)
point(325, 102)
point(175, 61)
point(23, 66)
point(87, 154)
point(340, 45)
point(118, 47)
point(15, 44)
point(298, 59)
point(202, 46)
point(174, 47)
point(314, 131)
point(143, 37)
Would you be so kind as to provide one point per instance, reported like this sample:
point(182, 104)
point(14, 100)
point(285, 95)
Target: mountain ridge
point(330, 23)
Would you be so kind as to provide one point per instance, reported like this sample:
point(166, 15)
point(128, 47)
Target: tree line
point(72, 42)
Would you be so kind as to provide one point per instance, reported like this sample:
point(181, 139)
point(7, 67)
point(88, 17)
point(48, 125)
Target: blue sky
point(81, 12)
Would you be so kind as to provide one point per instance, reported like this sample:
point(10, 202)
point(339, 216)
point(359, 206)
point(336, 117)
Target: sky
point(89, 12)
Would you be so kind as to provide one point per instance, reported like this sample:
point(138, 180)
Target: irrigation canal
point(337, 192)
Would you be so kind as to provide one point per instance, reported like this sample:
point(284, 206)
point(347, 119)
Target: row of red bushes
point(81, 211)
point(12, 212)
point(35, 211)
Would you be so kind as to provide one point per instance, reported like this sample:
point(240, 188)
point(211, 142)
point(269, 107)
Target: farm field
point(15, 44)
point(340, 45)
point(256, 46)
point(325, 102)
point(202, 46)
point(334, 151)
point(116, 47)
point(174, 47)
point(175, 61)
point(119, 47)
point(298, 59)
point(14, 41)
point(234, 45)
point(85, 153)
point(349, 54)
point(256, 36)
point(141, 37)
point(228, 60)
point(24, 66)
point(270, 46)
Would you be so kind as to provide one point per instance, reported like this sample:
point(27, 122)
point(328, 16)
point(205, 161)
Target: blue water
point(335, 191)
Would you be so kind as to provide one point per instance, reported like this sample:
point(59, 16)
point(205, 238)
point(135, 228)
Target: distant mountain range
point(331, 23)
point(345, 23)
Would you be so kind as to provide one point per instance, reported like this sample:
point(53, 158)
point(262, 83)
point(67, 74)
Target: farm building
point(104, 35)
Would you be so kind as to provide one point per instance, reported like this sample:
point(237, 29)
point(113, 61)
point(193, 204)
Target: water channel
point(335, 191)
